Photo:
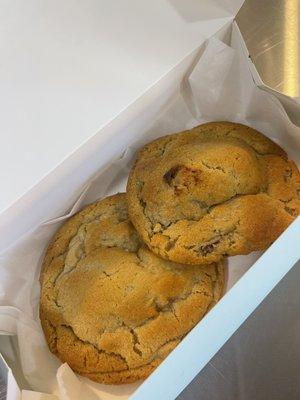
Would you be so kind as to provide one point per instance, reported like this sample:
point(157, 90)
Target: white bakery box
point(83, 84)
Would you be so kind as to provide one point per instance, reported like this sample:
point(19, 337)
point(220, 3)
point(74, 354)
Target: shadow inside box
point(261, 360)
point(192, 11)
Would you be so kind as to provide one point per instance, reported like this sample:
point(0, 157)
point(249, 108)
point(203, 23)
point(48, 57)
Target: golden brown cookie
point(218, 189)
point(109, 307)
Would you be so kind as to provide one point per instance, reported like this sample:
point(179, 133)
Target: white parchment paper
point(219, 87)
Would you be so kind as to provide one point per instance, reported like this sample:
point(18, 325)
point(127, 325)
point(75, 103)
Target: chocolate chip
point(171, 174)
point(208, 248)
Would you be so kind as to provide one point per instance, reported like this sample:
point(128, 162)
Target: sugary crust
point(218, 189)
point(111, 308)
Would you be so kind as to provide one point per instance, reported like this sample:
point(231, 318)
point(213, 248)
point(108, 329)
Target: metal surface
point(271, 31)
point(2, 390)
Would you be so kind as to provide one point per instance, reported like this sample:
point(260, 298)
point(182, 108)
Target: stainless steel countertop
point(271, 31)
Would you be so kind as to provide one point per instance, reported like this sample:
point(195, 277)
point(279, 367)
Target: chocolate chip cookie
point(216, 190)
point(111, 308)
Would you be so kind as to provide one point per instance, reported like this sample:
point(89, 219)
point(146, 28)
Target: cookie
point(219, 189)
point(109, 307)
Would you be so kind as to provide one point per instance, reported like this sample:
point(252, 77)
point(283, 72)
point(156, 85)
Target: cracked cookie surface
point(216, 190)
point(109, 307)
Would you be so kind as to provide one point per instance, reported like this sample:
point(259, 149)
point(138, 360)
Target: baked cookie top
point(218, 189)
point(109, 307)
